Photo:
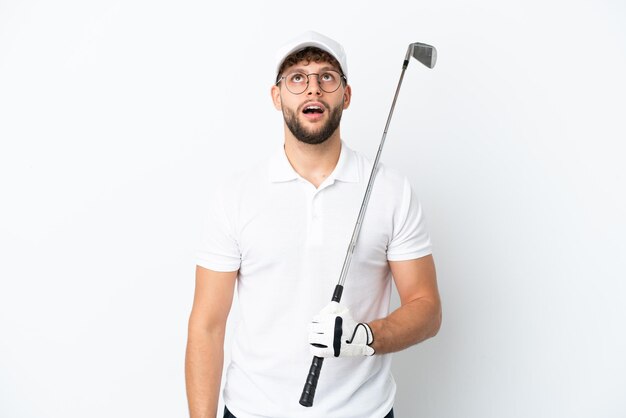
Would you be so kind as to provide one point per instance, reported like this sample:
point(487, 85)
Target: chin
point(312, 141)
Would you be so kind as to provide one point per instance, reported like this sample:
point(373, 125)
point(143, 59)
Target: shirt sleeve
point(219, 249)
point(410, 238)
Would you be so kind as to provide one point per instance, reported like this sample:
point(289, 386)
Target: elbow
point(437, 323)
point(436, 319)
point(202, 329)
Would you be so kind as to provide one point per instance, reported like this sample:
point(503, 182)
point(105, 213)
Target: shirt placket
point(315, 217)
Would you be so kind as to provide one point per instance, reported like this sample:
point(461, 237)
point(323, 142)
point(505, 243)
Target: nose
point(313, 87)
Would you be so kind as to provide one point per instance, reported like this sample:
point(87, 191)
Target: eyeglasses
point(297, 82)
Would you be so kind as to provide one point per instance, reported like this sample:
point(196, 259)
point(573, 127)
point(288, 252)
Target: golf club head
point(426, 54)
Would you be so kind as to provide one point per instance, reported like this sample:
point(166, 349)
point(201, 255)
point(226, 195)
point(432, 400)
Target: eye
point(327, 77)
point(297, 78)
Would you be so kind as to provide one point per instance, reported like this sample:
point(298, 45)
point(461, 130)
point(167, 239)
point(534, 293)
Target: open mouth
point(313, 109)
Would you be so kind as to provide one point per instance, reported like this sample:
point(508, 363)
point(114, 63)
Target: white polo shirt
point(288, 240)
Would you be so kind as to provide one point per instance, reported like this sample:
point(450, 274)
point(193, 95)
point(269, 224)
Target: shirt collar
point(346, 170)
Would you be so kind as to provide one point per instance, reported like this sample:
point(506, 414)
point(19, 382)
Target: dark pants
point(227, 414)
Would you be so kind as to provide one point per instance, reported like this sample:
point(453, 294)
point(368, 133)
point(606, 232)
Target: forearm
point(203, 371)
point(410, 324)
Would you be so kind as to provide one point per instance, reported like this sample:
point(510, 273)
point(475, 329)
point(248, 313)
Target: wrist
point(378, 335)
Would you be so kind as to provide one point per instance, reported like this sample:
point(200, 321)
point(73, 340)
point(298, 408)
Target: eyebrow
point(325, 68)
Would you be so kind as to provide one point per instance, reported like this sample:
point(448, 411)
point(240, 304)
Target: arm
point(419, 315)
point(205, 341)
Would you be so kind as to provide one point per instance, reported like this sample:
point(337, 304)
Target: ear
point(275, 92)
point(347, 96)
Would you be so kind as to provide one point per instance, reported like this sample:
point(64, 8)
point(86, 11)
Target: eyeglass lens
point(298, 82)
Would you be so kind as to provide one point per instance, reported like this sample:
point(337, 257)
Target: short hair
point(308, 54)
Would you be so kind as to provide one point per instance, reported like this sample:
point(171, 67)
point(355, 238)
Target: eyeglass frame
point(318, 80)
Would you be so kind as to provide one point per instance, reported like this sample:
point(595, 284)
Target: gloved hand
point(333, 332)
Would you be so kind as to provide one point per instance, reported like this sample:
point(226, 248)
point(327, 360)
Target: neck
point(313, 162)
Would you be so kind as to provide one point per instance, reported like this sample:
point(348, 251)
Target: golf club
point(427, 55)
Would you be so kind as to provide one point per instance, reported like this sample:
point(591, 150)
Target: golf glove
point(333, 333)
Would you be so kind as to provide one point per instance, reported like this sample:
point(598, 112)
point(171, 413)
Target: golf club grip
point(308, 393)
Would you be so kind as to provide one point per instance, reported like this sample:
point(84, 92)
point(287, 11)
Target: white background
point(117, 116)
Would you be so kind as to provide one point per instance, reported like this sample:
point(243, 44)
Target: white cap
point(317, 40)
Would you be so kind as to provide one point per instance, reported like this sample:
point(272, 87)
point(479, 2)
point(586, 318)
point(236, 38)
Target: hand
point(333, 333)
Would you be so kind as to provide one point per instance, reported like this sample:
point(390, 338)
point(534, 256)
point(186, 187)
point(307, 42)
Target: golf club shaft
point(308, 393)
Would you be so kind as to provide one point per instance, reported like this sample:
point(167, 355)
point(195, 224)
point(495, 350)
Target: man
point(279, 232)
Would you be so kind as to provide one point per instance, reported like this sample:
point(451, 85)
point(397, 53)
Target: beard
point(318, 135)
